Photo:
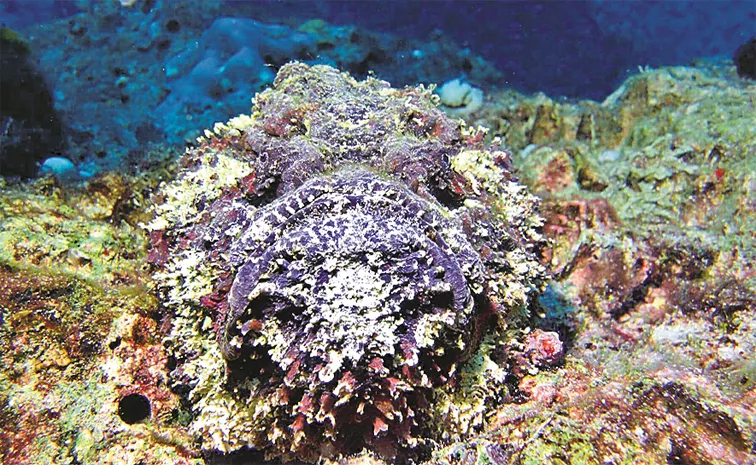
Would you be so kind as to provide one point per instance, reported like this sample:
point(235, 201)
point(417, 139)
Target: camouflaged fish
point(339, 266)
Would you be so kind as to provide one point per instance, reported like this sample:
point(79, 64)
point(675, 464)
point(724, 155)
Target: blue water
point(125, 77)
point(572, 48)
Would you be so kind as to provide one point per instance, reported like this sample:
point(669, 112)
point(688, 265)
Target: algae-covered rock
point(79, 330)
point(649, 205)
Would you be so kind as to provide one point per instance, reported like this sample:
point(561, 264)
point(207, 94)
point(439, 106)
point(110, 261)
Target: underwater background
point(362, 232)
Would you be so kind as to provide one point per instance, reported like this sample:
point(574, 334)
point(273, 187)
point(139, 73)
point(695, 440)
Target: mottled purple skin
point(353, 282)
point(397, 225)
point(425, 265)
point(406, 138)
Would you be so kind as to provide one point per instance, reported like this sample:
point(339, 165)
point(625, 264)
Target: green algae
point(53, 231)
point(75, 309)
point(649, 202)
point(683, 165)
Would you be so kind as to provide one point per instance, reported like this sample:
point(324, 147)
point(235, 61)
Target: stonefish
point(340, 267)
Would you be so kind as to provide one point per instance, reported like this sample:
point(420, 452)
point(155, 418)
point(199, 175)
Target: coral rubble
point(350, 248)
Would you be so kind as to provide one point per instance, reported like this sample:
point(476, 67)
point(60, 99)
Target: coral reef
point(230, 61)
point(649, 206)
point(648, 203)
point(350, 248)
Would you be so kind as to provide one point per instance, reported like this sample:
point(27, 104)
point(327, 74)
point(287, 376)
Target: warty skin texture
point(334, 263)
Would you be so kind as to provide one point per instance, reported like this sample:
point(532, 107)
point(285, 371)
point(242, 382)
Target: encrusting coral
point(649, 203)
point(340, 266)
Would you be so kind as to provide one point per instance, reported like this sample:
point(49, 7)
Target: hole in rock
point(134, 408)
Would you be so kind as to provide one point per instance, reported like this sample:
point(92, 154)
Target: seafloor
point(649, 200)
